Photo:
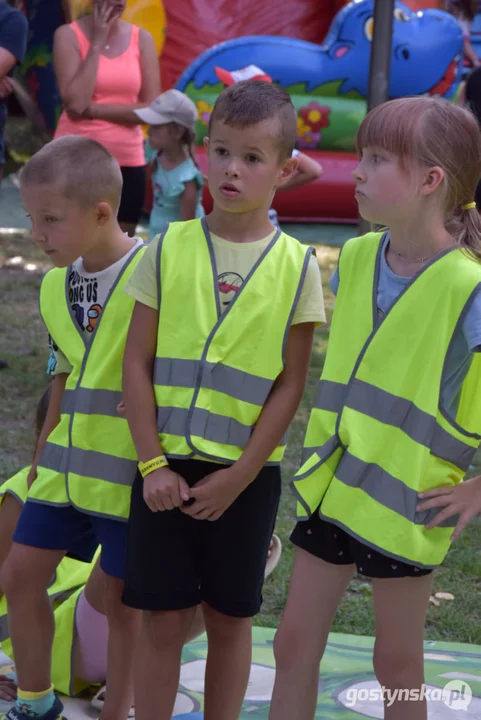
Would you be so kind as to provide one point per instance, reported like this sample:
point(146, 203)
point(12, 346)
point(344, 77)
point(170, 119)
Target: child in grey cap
point(176, 179)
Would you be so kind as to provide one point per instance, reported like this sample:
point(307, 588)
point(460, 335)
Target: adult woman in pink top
point(105, 69)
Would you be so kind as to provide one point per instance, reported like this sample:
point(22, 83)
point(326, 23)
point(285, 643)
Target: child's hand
point(32, 475)
point(165, 490)
point(463, 500)
point(8, 688)
point(214, 494)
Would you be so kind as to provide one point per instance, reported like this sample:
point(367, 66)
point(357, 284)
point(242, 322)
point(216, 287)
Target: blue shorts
point(57, 527)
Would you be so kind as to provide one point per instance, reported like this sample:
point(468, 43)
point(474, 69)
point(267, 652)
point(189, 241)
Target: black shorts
point(334, 545)
point(133, 193)
point(175, 562)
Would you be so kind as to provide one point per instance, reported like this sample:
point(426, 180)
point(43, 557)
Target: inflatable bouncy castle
point(328, 85)
point(319, 50)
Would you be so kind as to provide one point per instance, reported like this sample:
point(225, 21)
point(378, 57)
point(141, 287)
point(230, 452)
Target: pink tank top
point(119, 81)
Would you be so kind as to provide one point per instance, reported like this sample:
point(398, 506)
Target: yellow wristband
point(151, 465)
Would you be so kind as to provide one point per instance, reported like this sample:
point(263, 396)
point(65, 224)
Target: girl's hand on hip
point(463, 499)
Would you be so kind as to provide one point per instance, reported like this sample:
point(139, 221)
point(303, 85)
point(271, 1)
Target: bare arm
point(7, 62)
point(138, 392)
point(470, 53)
point(307, 171)
point(281, 404)
point(51, 421)
point(124, 114)
point(75, 78)
point(188, 201)
point(163, 489)
point(216, 492)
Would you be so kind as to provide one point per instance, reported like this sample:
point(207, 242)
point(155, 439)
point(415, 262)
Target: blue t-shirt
point(168, 186)
point(13, 32)
point(466, 341)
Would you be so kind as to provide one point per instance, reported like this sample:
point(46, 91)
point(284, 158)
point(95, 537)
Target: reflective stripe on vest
point(213, 380)
point(377, 434)
point(396, 411)
point(89, 459)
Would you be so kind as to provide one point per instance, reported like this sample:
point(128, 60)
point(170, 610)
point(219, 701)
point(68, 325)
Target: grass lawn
point(23, 343)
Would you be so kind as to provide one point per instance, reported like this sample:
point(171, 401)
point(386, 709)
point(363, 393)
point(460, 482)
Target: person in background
point(13, 44)
point(308, 169)
point(107, 68)
point(176, 179)
point(465, 11)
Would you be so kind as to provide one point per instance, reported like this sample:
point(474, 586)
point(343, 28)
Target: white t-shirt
point(87, 295)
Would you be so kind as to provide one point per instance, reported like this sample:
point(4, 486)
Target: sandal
point(99, 699)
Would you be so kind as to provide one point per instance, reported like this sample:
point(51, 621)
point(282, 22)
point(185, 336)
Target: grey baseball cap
point(171, 106)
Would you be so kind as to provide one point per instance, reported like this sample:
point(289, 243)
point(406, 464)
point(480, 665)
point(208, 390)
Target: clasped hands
point(208, 499)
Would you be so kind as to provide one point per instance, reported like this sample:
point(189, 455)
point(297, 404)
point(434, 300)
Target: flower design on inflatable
point(310, 120)
point(306, 139)
point(204, 111)
point(315, 116)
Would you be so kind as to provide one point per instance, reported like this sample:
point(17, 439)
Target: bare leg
point(124, 628)
point(157, 666)
point(316, 588)
point(198, 625)
point(9, 513)
point(26, 574)
point(400, 607)
point(95, 588)
point(128, 228)
point(228, 664)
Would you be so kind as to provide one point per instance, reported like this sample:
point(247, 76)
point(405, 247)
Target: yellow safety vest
point(89, 460)
point(377, 433)
point(64, 590)
point(214, 370)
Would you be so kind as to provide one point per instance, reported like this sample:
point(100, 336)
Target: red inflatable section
point(193, 26)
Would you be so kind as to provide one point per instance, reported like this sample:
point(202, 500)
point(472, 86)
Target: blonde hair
point(434, 132)
point(81, 169)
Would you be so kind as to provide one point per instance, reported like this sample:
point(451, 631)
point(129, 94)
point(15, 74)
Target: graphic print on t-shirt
point(83, 296)
point(229, 284)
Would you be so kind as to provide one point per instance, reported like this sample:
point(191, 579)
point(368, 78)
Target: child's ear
point(103, 213)
point(287, 170)
point(432, 180)
point(206, 144)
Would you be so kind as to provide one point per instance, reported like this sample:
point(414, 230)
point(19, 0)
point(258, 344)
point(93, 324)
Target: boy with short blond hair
point(85, 460)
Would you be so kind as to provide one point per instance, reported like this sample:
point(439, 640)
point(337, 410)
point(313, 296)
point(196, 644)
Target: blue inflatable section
point(426, 55)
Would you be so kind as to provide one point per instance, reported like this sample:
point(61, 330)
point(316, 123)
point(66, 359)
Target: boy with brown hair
point(214, 369)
